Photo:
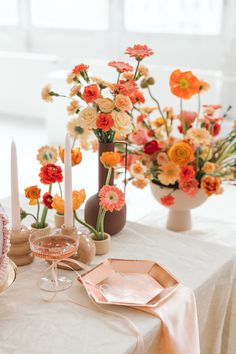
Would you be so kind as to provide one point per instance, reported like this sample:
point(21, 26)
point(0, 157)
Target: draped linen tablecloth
point(203, 259)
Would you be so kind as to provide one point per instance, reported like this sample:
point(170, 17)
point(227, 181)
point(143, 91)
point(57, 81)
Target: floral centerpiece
point(105, 109)
point(182, 155)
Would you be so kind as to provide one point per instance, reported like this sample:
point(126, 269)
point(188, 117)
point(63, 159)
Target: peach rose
point(123, 123)
point(123, 102)
point(88, 118)
point(106, 105)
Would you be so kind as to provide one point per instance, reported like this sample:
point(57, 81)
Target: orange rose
point(76, 155)
point(181, 153)
point(184, 84)
point(33, 194)
point(110, 159)
point(78, 197)
point(211, 185)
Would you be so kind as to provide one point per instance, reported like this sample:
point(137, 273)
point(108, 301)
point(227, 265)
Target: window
point(8, 12)
point(202, 17)
point(70, 14)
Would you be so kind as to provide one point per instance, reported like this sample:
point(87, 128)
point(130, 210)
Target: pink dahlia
point(139, 51)
point(121, 66)
point(111, 198)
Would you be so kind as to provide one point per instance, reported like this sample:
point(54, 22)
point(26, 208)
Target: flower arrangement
point(111, 198)
point(103, 107)
point(51, 174)
point(182, 151)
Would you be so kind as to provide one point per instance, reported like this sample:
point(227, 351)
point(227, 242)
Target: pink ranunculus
point(187, 116)
point(187, 173)
point(190, 187)
point(139, 136)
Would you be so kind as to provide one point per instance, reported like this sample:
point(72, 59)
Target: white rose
point(87, 118)
point(106, 105)
point(122, 122)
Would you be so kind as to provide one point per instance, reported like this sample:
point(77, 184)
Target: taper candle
point(68, 209)
point(15, 204)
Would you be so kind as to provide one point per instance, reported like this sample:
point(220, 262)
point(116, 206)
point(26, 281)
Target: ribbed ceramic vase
point(115, 221)
point(179, 216)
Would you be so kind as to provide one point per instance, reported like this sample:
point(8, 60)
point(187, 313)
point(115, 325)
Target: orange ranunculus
point(76, 156)
point(110, 159)
point(184, 84)
point(181, 153)
point(78, 197)
point(211, 185)
point(91, 93)
point(33, 194)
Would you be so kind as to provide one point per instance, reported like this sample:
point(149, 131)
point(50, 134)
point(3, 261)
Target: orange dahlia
point(184, 84)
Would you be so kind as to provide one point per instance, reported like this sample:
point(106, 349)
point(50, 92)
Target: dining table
point(203, 259)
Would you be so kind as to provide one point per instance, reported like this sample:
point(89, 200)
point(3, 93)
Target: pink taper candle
point(15, 204)
point(68, 210)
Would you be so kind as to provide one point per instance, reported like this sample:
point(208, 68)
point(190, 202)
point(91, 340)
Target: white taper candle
point(15, 203)
point(68, 210)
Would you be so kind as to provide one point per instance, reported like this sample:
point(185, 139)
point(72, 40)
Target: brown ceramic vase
point(115, 221)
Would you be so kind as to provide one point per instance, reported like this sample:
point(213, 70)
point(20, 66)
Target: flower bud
point(144, 83)
point(150, 81)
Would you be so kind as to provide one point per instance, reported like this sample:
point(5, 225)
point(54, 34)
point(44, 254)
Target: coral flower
point(110, 159)
point(141, 118)
point(211, 185)
point(47, 200)
point(111, 198)
point(139, 136)
point(187, 173)
point(167, 200)
point(190, 186)
point(137, 97)
point(79, 68)
point(184, 84)
point(162, 158)
point(138, 170)
point(105, 122)
point(139, 51)
point(126, 87)
point(78, 197)
point(33, 194)
point(50, 173)
point(187, 117)
point(121, 66)
point(140, 183)
point(123, 102)
point(76, 156)
point(91, 93)
point(169, 173)
point(181, 153)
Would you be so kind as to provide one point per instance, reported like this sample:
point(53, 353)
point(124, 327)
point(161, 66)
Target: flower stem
point(45, 211)
point(159, 109)
point(102, 224)
point(199, 108)
point(86, 225)
point(136, 70)
point(118, 79)
point(38, 210)
point(181, 115)
point(60, 189)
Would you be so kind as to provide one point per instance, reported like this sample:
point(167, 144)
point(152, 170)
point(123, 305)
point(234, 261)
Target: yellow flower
point(158, 122)
point(78, 197)
point(181, 153)
point(47, 154)
point(169, 173)
point(106, 105)
point(87, 118)
point(199, 136)
point(46, 94)
point(138, 170)
point(73, 107)
point(74, 90)
point(33, 194)
point(209, 167)
point(76, 155)
point(143, 71)
point(110, 159)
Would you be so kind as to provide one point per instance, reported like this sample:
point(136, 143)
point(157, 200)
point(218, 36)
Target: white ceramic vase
point(179, 216)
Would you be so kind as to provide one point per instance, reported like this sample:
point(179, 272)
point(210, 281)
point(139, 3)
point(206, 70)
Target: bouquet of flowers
point(103, 107)
point(181, 151)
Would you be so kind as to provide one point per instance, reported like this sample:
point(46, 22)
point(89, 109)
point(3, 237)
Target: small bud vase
point(42, 231)
point(58, 220)
point(102, 246)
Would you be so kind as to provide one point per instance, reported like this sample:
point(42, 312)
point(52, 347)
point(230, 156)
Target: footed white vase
point(179, 217)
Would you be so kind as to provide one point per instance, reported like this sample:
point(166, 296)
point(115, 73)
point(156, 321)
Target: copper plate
point(12, 268)
point(166, 283)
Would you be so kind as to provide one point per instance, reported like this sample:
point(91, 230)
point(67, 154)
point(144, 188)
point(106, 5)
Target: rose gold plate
point(129, 283)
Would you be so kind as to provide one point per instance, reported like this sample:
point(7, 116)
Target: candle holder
point(86, 250)
point(20, 252)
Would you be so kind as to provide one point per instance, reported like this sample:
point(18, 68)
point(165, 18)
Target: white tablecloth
point(203, 259)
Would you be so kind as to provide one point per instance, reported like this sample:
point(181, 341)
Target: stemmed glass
point(54, 248)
